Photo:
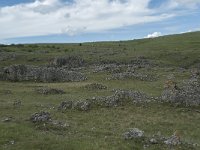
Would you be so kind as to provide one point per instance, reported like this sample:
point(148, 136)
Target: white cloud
point(173, 4)
point(154, 35)
point(45, 17)
point(188, 31)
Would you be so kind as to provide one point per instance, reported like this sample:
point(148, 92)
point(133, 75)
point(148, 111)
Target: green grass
point(100, 128)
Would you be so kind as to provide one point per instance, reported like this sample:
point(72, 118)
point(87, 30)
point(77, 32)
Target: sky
point(71, 21)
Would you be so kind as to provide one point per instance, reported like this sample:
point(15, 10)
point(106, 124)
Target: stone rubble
point(78, 105)
point(67, 61)
point(188, 94)
point(66, 105)
point(120, 97)
point(133, 133)
point(82, 105)
point(173, 140)
point(40, 74)
point(40, 117)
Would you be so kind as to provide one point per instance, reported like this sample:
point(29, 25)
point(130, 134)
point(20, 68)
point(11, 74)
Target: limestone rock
point(82, 105)
point(40, 74)
point(133, 133)
point(40, 117)
point(65, 105)
point(173, 140)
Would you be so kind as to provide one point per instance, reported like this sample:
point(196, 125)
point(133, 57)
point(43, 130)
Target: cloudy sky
point(41, 21)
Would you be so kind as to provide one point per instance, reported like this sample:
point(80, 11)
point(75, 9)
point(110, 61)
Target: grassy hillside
point(101, 127)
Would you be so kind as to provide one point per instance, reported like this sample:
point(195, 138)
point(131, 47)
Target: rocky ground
point(127, 101)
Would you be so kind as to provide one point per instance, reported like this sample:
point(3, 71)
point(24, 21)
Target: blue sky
point(64, 21)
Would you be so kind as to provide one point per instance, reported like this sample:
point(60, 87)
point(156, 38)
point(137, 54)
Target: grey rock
point(78, 105)
point(40, 117)
point(133, 133)
point(173, 140)
point(65, 105)
point(153, 141)
point(40, 74)
point(82, 105)
point(121, 97)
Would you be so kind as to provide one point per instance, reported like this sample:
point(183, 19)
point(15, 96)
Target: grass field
point(100, 128)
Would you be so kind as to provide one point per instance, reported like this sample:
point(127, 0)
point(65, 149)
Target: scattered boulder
point(78, 105)
point(173, 140)
point(133, 133)
point(47, 91)
point(109, 101)
point(65, 105)
point(43, 121)
point(40, 74)
point(113, 67)
point(95, 86)
point(121, 97)
point(40, 117)
point(82, 105)
point(153, 141)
